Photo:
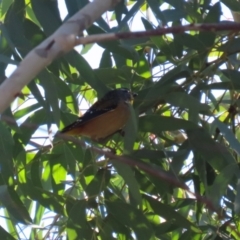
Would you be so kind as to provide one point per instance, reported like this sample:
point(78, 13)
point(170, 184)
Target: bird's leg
point(121, 132)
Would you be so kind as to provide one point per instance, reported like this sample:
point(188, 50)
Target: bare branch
point(61, 42)
point(212, 27)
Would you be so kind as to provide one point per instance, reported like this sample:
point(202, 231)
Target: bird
point(105, 117)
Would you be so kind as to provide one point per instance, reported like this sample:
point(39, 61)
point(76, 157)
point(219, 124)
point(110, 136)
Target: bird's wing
point(94, 111)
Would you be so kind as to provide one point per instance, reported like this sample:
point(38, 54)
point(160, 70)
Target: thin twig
point(211, 27)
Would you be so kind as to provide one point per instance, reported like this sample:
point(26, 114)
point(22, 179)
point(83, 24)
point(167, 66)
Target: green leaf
point(171, 15)
point(216, 154)
point(98, 183)
point(190, 41)
point(23, 112)
point(86, 71)
point(147, 24)
point(213, 16)
point(5, 4)
point(151, 96)
point(33, 32)
point(47, 199)
point(128, 175)
point(15, 207)
point(157, 124)
point(47, 12)
point(14, 25)
point(219, 187)
point(77, 224)
point(58, 170)
point(120, 9)
point(5, 235)
point(237, 198)
point(142, 67)
point(182, 154)
point(154, 5)
point(228, 134)
point(36, 167)
point(130, 131)
point(106, 61)
point(32, 123)
point(39, 212)
point(230, 47)
point(221, 86)
point(6, 149)
point(37, 94)
point(232, 75)
point(130, 14)
point(184, 100)
point(114, 46)
point(169, 213)
point(114, 76)
point(46, 80)
point(129, 215)
point(165, 228)
point(65, 94)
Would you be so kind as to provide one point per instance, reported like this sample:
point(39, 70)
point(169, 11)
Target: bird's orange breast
point(104, 125)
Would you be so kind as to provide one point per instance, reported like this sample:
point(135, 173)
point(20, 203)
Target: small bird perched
point(105, 117)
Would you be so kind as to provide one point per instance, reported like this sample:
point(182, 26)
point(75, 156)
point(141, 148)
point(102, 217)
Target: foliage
point(185, 128)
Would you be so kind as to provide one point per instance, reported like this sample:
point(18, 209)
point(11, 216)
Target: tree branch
point(60, 42)
point(211, 27)
point(151, 170)
point(67, 37)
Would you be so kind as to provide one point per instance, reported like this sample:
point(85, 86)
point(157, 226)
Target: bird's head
point(124, 94)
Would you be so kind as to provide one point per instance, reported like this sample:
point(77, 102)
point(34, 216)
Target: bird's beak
point(134, 94)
